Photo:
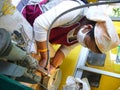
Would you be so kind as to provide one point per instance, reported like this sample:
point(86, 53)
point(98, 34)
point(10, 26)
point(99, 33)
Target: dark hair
point(91, 34)
point(85, 21)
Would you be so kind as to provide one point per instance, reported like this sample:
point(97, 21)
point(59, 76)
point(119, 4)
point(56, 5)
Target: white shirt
point(43, 22)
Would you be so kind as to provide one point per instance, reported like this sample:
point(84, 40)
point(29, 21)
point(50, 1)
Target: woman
point(92, 29)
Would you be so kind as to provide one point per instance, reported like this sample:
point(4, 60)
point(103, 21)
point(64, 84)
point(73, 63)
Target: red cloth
point(59, 35)
point(30, 12)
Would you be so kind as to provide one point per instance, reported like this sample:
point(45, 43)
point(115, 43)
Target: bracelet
point(43, 50)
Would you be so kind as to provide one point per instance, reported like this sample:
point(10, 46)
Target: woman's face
point(89, 39)
point(90, 43)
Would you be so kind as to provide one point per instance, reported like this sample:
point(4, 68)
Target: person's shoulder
point(71, 2)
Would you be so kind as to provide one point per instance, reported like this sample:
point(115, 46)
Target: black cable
point(75, 8)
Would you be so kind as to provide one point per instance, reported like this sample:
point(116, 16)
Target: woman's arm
point(43, 22)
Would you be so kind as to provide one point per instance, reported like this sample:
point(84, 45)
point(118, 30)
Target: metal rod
point(112, 74)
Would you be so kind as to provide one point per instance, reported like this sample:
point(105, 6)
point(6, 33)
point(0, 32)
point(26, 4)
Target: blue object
point(85, 1)
point(118, 55)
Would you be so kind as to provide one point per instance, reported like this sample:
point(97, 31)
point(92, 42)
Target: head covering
point(81, 36)
point(105, 34)
point(106, 37)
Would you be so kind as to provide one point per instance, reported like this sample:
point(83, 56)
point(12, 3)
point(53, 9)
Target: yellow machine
point(102, 82)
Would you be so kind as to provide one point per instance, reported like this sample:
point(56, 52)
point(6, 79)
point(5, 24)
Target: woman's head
point(90, 41)
point(99, 37)
point(86, 38)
